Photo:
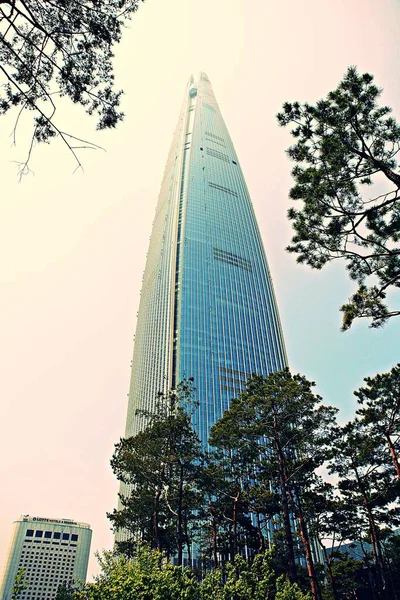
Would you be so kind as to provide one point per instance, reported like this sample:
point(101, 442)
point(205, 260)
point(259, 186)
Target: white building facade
point(52, 552)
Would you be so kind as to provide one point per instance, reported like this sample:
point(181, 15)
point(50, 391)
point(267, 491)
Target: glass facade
point(207, 306)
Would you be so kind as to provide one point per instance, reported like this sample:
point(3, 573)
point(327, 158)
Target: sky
point(73, 245)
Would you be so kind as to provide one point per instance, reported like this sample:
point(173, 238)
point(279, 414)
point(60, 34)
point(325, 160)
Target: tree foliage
point(20, 584)
point(149, 576)
point(346, 174)
point(161, 466)
point(280, 429)
point(379, 410)
point(264, 521)
point(50, 49)
point(370, 489)
point(66, 591)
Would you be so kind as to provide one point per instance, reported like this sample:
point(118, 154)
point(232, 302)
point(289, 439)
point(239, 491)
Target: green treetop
point(346, 175)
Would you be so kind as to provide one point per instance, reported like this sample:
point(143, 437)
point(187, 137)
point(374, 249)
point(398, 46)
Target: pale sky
point(73, 247)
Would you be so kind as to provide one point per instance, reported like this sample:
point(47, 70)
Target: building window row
point(51, 534)
point(232, 259)
point(222, 188)
point(217, 154)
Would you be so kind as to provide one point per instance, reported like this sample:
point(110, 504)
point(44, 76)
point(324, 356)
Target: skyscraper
point(207, 307)
point(51, 552)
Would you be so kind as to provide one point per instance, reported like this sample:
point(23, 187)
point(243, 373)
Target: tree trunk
point(375, 542)
point(393, 455)
point(331, 578)
point(155, 520)
point(376, 545)
point(392, 583)
point(179, 520)
point(215, 549)
point(285, 507)
point(261, 538)
point(391, 175)
point(234, 519)
point(371, 576)
point(297, 508)
point(288, 535)
point(188, 543)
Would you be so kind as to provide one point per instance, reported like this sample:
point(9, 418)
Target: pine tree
point(343, 145)
point(278, 424)
point(161, 465)
point(380, 411)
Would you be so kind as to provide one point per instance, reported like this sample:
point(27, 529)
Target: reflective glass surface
point(207, 306)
